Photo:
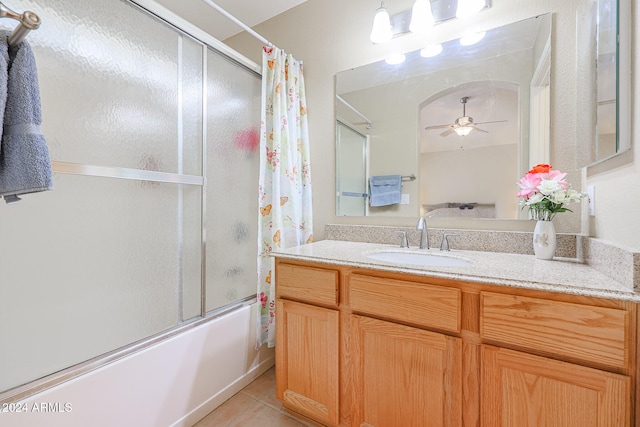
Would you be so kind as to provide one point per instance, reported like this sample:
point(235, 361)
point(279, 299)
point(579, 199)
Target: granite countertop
point(523, 271)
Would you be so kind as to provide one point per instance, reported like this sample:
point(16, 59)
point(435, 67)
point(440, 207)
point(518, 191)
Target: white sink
point(416, 258)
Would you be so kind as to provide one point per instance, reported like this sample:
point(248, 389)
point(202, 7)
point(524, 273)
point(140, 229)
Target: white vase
point(544, 240)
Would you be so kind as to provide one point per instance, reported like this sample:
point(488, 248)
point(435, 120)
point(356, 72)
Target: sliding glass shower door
point(152, 140)
point(352, 149)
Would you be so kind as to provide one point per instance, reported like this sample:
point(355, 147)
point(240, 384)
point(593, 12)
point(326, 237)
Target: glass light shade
point(381, 30)
point(431, 50)
point(421, 17)
point(395, 59)
point(468, 8)
point(463, 130)
point(470, 39)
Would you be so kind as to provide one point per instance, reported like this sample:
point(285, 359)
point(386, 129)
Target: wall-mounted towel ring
point(28, 21)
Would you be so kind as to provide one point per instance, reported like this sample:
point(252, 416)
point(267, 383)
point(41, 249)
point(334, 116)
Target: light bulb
point(381, 30)
point(463, 130)
point(431, 50)
point(421, 17)
point(470, 39)
point(468, 8)
point(395, 59)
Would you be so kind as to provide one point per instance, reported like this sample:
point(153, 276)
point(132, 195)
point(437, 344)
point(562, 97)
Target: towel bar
point(28, 21)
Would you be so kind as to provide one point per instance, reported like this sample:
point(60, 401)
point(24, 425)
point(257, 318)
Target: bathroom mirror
point(402, 116)
point(604, 53)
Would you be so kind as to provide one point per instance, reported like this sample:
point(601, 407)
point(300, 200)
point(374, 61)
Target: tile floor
point(254, 406)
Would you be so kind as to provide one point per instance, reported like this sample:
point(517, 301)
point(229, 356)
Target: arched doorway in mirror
point(471, 140)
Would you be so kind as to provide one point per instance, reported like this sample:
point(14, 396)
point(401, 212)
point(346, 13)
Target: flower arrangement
point(545, 192)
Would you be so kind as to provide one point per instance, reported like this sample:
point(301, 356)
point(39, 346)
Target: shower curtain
point(285, 216)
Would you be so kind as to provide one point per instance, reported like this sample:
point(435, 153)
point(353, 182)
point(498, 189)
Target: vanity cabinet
point(404, 376)
point(307, 360)
point(307, 336)
point(372, 348)
point(519, 389)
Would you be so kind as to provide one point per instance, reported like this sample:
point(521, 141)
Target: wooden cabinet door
point(404, 376)
point(307, 360)
point(522, 390)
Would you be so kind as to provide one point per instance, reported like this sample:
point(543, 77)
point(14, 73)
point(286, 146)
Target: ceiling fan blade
point(486, 123)
point(447, 132)
point(438, 127)
point(481, 130)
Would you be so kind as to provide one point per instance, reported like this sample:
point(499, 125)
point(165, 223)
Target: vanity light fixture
point(431, 50)
point(381, 30)
point(395, 59)
point(473, 38)
point(468, 8)
point(421, 17)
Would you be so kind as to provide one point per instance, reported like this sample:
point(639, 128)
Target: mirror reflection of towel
point(25, 166)
point(385, 190)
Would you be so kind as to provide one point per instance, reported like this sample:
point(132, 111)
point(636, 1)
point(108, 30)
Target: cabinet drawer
point(416, 303)
point(314, 285)
point(590, 333)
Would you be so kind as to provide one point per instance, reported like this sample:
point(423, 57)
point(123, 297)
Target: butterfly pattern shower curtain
point(285, 217)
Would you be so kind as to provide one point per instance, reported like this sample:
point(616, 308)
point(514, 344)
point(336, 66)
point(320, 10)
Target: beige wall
point(332, 35)
point(462, 186)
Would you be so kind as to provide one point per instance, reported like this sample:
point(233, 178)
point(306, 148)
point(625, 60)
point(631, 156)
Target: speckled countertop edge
point(622, 265)
point(514, 270)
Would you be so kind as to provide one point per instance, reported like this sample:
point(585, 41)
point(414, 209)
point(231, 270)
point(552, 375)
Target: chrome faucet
point(424, 235)
point(444, 246)
point(404, 243)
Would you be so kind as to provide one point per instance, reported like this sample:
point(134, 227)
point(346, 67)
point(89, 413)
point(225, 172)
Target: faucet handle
point(404, 242)
point(444, 246)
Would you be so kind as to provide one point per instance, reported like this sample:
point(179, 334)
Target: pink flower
point(529, 184)
point(558, 177)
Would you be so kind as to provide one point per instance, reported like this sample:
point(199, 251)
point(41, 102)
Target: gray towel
point(385, 190)
point(25, 166)
point(4, 69)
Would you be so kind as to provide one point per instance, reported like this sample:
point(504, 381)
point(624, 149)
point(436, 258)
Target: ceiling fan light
point(468, 8)
point(421, 17)
point(463, 130)
point(381, 30)
point(471, 39)
point(431, 50)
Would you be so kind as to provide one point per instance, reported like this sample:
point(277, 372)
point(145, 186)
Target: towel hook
point(28, 21)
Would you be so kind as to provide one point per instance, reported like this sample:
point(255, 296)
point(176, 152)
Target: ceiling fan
point(463, 125)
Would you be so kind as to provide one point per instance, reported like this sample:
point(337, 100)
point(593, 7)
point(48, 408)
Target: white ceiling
point(251, 12)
